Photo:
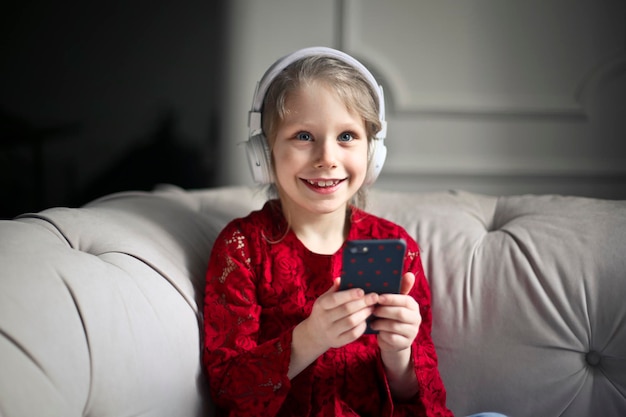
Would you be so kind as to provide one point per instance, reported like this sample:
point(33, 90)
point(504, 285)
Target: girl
point(280, 339)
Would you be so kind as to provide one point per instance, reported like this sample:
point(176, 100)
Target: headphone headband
point(254, 116)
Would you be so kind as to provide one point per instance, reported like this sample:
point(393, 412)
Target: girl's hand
point(338, 317)
point(397, 318)
point(398, 321)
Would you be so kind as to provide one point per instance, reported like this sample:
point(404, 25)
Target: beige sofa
point(100, 306)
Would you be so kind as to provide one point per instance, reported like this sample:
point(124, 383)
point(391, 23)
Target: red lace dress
point(258, 291)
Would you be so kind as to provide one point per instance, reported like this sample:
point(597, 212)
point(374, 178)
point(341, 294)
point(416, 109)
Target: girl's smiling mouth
point(322, 184)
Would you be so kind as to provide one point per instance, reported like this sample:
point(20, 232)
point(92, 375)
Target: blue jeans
point(487, 415)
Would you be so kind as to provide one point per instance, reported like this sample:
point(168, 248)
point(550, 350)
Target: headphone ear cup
point(259, 159)
point(378, 154)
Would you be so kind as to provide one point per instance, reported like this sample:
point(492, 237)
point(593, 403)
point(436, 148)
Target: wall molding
point(604, 72)
point(572, 168)
point(566, 106)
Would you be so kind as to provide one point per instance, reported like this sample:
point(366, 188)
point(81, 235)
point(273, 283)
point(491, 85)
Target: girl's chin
point(318, 203)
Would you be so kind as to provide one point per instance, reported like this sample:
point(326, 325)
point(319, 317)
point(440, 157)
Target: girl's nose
point(327, 156)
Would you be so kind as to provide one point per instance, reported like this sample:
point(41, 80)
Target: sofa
point(100, 306)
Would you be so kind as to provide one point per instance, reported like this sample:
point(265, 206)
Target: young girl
point(280, 338)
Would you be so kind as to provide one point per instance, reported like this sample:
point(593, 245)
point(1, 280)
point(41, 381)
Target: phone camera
point(359, 249)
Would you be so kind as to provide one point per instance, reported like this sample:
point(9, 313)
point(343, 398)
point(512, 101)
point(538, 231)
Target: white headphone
point(257, 147)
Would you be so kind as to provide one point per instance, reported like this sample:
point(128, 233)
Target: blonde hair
point(349, 84)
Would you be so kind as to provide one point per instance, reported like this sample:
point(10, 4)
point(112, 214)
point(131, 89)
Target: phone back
point(373, 265)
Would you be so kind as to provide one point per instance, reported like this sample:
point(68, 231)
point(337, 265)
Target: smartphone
point(373, 265)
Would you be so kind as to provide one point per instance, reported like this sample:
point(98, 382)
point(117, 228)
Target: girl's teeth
point(322, 183)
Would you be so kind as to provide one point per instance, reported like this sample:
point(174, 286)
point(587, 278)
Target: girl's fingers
point(339, 305)
point(398, 314)
point(408, 280)
point(355, 320)
point(349, 300)
point(398, 319)
point(398, 300)
point(350, 308)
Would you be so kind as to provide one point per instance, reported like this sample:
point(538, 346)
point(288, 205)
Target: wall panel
point(498, 96)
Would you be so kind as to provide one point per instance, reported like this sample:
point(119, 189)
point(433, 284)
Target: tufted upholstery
point(99, 306)
point(528, 296)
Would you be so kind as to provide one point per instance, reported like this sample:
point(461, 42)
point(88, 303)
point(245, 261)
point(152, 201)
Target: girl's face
point(319, 151)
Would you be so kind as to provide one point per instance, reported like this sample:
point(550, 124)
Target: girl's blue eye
point(345, 137)
point(304, 136)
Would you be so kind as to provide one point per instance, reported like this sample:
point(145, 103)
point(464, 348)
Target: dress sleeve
point(431, 396)
point(245, 377)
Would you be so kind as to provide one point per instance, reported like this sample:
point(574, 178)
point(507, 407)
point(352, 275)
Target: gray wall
point(499, 97)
